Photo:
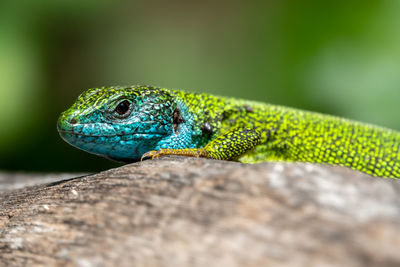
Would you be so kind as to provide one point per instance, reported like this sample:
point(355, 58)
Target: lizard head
point(120, 123)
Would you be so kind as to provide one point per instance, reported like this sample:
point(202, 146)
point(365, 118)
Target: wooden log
point(177, 211)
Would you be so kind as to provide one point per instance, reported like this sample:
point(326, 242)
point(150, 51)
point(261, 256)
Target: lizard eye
point(123, 108)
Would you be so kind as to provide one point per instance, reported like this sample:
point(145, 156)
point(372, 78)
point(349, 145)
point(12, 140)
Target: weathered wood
point(17, 180)
point(196, 212)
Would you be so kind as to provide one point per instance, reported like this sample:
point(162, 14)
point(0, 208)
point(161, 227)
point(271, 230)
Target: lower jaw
point(126, 148)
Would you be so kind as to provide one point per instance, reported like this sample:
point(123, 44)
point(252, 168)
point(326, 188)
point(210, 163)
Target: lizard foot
point(189, 152)
point(151, 154)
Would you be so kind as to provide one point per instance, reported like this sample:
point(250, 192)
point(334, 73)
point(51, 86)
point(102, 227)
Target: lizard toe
point(151, 154)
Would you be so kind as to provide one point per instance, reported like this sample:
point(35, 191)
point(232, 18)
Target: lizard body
point(127, 123)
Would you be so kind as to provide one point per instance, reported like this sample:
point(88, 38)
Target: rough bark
point(196, 212)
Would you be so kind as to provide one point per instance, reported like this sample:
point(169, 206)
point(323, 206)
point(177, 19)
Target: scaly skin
point(126, 123)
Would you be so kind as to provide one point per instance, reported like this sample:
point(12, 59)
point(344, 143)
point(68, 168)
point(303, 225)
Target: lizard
point(130, 123)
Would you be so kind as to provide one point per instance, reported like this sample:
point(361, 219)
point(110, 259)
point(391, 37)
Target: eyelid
point(116, 102)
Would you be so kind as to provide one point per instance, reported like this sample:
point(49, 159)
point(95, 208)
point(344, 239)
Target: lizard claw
point(180, 152)
point(151, 154)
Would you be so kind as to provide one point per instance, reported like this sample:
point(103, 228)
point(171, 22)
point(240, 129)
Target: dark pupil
point(122, 107)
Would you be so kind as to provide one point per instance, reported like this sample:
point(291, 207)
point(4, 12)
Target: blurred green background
point(338, 57)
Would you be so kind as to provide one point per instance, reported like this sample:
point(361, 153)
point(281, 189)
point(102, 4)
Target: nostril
point(73, 121)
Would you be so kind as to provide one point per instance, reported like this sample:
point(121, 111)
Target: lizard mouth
point(63, 132)
point(69, 130)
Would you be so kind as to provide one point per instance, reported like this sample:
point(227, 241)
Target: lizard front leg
point(227, 146)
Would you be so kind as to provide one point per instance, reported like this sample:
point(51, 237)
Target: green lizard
point(130, 123)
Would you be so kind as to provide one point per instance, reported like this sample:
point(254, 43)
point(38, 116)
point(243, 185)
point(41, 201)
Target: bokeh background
point(339, 57)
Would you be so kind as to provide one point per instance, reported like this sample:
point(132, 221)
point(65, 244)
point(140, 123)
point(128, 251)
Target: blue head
point(121, 123)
